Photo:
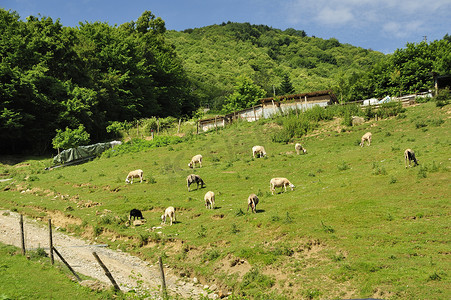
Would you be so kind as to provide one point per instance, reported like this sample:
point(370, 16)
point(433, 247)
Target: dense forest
point(54, 78)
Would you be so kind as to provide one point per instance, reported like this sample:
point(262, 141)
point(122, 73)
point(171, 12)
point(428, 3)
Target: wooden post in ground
point(67, 264)
point(107, 272)
point(216, 125)
point(163, 281)
point(51, 242)
point(197, 126)
point(22, 236)
point(178, 129)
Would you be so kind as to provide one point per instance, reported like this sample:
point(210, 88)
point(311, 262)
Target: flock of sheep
point(252, 201)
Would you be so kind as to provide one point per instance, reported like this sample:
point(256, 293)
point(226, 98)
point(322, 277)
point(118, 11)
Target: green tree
point(286, 88)
point(70, 138)
point(246, 94)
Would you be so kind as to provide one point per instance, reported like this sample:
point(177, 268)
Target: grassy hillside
point(358, 223)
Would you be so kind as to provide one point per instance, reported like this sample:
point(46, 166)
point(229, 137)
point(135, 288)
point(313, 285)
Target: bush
point(293, 126)
point(390, 109)
point(443, 98)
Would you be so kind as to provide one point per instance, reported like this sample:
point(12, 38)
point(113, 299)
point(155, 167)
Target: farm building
point(270, 107)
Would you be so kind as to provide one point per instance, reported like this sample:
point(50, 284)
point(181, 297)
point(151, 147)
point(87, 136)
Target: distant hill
point(215, 55)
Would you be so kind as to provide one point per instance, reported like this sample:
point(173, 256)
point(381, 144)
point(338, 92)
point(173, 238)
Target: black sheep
point(136, 214)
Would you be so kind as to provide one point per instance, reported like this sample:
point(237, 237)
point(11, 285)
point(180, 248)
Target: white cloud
point(330, 16)
point(356, 12)
point(402, 29)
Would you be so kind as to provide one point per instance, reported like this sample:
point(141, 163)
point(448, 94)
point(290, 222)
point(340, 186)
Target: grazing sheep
point(209, 200)
point(298, 147)
point(366, 137)
point(280, 182)
point(134, 174)
point(410, 155)
point(193, 178)
point(168, 213)
point(252, 202)
point(135, 214)
point(260, 150)
point(196, 159)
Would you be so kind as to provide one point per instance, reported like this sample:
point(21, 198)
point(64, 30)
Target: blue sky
point(381, 25)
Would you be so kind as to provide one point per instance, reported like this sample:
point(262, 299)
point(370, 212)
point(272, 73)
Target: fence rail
point(266, 111)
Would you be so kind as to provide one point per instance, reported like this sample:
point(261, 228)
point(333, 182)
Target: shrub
point(390, 109)
point(443, 98)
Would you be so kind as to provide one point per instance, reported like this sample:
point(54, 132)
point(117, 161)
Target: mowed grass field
point(358, 224)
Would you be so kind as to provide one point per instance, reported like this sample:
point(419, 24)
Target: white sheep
point(298, 147)
point(260, 150)
point(366, 137)
point(209, 200)
point(409, 155)
point(134, 174)
point(280, 182)
point(196, 159)
point(252, 202)
point(168, 213)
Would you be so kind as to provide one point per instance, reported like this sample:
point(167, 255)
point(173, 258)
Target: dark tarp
point(80, 153)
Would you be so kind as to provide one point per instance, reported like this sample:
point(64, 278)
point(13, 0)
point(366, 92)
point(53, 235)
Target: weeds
point(239, 213)
point(434, 277)
point(288, 219)
point(312, 293)
point(202, 233)
point(234, 229)
point(422, 172)
point(327, 228)
point(343, 166)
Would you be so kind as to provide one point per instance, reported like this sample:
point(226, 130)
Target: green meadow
point(357, 225)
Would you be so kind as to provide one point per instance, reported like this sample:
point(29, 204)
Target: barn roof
point(333, 98)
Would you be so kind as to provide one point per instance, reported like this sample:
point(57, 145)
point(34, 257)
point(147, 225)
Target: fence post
point(178, 130)
point(22, 237)
point(107, 272)
point(163, 281)
point(216, 126)
point(51, 242)
point(67, 264)
point(197, 126)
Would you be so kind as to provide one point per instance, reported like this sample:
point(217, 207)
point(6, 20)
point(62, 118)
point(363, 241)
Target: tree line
point(54, 78)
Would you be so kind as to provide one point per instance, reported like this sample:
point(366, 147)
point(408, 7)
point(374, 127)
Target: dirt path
point(124, 267)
